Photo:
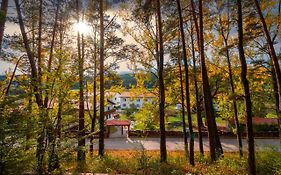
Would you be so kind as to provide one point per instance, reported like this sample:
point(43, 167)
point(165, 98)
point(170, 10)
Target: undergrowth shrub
point(148, 163)
point(268, 162)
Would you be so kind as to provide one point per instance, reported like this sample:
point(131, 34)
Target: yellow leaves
point(224, 19)
point(218, 42)
point(269, 9)
point(215, 70)
point(208, 37)
point(268, 5)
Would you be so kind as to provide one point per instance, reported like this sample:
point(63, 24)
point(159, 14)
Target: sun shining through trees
point(82, 28)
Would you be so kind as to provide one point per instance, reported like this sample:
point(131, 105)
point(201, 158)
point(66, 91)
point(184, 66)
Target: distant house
point(115, 100)
point(127, 99)
point(111, 103)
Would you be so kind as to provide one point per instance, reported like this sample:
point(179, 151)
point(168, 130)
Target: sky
point(12, 28)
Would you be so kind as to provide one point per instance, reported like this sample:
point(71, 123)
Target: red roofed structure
point(122, 123)
point(118, 123)
point(261, 121)
point(264, 121)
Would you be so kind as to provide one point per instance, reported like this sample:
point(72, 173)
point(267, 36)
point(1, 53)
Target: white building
point(112, 101)
point(128, 99)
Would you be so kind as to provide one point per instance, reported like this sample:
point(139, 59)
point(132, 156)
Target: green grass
point(147, 162)
point(178, 119)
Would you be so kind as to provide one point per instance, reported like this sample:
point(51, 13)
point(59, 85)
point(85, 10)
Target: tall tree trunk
point(156, 44)
point(49, 68)
point(3, 13)
point(45, 129)
point(59, 118)
point(225, 36)
point(54, 160)
point(101, 119)
point(59, 114)
point(198, 108)
point(214, 140)
point(275, 87)
point(191, 141)
point(62, 96)
point(30, 56)
point(81, 155)
point(248, 104)
point(39, 51)
point(235, 112)
point(276, 95)
point(93, 123)
point(12, 77)
point(274, 59)
point(163, 150)
point(34, 81)
point(29, 118)
point(182, 105)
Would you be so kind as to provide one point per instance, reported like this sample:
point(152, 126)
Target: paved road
point(229, 144)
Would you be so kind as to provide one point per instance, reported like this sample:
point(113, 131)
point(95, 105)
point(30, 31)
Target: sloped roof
point(128, 94)
point(111, 111)
point(117, 123)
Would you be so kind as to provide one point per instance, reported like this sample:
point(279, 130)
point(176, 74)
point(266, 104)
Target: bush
point(147, 118)
point(268, 162)
point(265, 128)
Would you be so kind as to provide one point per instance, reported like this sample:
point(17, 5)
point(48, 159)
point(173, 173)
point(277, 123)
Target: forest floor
point(147, 162)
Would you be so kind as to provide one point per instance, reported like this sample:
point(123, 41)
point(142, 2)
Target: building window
point(108, 108)
point(138, 100)
point(124, 105)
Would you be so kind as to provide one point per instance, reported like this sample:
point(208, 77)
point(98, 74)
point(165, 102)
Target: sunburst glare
point(82, 28)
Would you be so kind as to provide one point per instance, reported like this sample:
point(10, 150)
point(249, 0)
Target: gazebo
point(122, 123)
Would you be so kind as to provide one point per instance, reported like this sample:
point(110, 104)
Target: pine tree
point(163, 150)
point(191, 141)
point(274, 58)
point(248, 104)
point(101, 117)
point(81, 155)
point(214, 140)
